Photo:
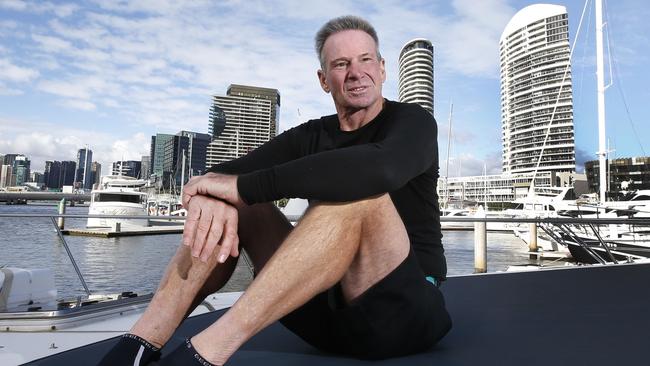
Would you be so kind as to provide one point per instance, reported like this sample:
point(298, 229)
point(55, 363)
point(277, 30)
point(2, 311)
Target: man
point(351, 277)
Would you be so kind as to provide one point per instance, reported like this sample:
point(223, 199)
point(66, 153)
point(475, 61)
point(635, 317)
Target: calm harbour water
point(137, 263)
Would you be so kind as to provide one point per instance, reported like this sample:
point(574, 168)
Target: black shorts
point(401, 314)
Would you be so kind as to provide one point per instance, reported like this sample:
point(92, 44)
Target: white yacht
point(118, 195)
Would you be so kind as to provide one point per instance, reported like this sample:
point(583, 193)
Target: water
point(136, 263)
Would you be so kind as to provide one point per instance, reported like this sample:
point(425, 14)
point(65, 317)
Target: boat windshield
point(115, 197)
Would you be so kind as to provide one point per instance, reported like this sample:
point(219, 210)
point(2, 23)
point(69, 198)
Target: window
point(113, 197)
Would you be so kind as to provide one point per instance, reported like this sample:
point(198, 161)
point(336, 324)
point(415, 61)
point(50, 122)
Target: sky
point(110, 74)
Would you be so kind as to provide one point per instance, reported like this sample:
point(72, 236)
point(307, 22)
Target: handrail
point(529, 220)
point(81, 216)
point(74, 262)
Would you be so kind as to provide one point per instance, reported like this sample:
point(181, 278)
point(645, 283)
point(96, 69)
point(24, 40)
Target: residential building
point(145, 170)
point(536, 93)
point(129, 168)
point(37, 177)
point(59, 173)
point(256, 92)
point(250, 121)
point(21, 170)
point(52, 175)
point(5, 176)
point(8, 159)
point(173, 160)
point(84, 162)
point(503, 188)
point(415, 83)
point(96, 174)
point(68, 172)
point(624, 174)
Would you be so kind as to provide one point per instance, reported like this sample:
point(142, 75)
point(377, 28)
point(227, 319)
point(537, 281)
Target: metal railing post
point(480, 244)
point(532, 243)
point(61, 220)
point(74, 263)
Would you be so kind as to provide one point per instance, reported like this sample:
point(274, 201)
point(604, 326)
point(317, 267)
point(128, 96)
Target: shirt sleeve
point(276, 151)
point(408, 149)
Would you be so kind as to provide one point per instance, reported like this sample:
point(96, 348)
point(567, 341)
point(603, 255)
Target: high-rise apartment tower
point(416, 73)
point(241, 121)
point(536, 91)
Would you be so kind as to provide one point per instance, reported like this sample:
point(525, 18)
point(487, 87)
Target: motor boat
point(118, 195)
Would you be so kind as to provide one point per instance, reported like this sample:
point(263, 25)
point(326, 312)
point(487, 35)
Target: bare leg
point(188, 281)
point(184, 277)
point(355, 243)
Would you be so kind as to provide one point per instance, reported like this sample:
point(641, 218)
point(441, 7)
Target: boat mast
point(600, 76)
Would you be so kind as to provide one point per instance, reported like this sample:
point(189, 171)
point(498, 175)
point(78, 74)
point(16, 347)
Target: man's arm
point(212, 199)
point(278, 150)
point(351, 173)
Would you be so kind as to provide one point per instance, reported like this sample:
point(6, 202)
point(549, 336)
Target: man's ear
point(323, 81)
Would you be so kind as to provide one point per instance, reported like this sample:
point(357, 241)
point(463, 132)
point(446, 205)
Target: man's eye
point(339, 65)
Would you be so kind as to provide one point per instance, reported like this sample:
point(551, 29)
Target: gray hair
point(347, 22)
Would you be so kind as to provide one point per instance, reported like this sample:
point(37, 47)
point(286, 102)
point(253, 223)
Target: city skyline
point(112, 75)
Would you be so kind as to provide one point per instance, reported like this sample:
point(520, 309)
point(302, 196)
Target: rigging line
point(619, 85)
point(559, 94)
point(584, 56)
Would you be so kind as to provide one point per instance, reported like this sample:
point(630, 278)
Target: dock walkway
point(125, 231)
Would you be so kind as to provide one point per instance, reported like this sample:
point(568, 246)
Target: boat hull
point(121, 209)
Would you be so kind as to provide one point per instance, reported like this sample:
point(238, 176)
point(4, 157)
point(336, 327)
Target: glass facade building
point(84, 164)
point(624, 174)
point(157, 152)
point(59, 173)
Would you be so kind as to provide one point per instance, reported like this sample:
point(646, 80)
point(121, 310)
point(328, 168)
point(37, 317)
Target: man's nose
point(354, 70)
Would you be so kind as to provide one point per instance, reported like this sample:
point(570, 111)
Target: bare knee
point(383, 241)
point(368, 211)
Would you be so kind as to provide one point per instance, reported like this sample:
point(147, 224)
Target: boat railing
point(558, 228)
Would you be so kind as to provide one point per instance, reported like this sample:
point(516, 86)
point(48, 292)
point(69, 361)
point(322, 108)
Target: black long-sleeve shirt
point(395, 153)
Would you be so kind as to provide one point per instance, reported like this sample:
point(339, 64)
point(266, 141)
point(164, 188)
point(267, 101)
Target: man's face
point(352, 72)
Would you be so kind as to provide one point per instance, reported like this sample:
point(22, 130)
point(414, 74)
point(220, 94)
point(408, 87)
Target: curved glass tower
point(416, 73)
point(535, 86)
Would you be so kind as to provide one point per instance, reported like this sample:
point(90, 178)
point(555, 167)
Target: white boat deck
point(18, 347)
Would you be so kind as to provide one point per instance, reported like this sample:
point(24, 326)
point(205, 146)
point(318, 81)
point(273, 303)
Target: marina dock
point(125, 231)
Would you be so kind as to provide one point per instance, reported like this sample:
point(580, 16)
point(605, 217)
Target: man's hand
point(221, 186)
point(210, 223)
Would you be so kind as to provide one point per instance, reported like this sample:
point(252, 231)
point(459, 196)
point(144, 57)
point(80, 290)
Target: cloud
point(83, 105)
point(137, 45)
point(152, 66)
point(582, 157)
point(13, 5)
point(468, 164)
point(14, 73)
point(60, 10)
point(63, 143)
point(40, 146)
point(7, 91)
